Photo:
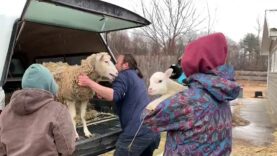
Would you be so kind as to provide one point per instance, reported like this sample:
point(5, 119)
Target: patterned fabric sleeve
point(172, 114)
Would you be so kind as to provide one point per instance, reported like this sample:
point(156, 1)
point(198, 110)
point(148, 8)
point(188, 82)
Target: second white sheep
point(161, 84)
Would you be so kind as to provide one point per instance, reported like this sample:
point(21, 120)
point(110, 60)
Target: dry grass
point(160, 149)
point(157, 152)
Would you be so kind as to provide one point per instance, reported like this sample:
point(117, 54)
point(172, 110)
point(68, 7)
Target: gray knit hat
point(39, 77)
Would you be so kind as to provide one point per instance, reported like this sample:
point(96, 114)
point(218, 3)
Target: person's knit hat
point(39, 77)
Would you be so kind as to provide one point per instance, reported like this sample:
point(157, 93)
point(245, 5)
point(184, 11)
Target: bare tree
point(250, 56)
point(169, 20)
point(233, 54)
point(119, 42)
point(140, 45)
point(211, 18)
point(258, 27)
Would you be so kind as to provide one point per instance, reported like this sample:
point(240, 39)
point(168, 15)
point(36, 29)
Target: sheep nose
point(150, 90)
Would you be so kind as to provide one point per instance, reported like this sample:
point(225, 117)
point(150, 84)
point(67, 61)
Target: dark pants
point(142, 145)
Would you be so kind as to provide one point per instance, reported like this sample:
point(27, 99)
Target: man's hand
point(84, 81)
point(105, 92)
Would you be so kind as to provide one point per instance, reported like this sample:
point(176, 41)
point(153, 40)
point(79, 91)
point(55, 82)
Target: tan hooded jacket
point(33, 124)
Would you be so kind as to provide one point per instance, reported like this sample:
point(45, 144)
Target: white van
point(61, 30)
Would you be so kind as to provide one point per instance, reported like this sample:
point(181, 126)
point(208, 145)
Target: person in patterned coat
point(198, 120)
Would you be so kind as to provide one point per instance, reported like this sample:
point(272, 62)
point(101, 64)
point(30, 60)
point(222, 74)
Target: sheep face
point(158, 82)
point(105, 67)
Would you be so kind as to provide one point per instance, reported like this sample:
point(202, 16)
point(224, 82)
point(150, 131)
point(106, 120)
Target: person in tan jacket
point(33, 123)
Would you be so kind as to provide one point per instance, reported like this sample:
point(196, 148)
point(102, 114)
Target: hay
point(237, 120)
point(91, 116)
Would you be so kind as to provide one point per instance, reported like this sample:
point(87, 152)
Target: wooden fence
point(251, 75)
point(149, 64)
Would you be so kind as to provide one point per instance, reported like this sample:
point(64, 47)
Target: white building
point(269, 48)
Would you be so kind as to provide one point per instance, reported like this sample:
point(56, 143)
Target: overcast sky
point(234, 18)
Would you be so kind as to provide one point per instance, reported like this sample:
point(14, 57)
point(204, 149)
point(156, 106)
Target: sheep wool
point(94, 66)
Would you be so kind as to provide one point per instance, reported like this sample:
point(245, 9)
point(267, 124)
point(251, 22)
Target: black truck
point(67, 31)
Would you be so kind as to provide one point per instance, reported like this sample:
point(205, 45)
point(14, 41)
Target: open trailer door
point(87, 15)
point(90, 15)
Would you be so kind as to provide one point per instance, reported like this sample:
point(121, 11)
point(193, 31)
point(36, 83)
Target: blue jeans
point(142, 145)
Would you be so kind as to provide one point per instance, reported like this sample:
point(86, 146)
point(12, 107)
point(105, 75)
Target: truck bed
point(106, 133)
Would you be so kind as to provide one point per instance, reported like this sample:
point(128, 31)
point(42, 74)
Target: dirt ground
point(246, 148)
point(242, 148)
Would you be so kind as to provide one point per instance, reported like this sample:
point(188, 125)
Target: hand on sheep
point(84, 80)
point(152, 105)
point(99, 97)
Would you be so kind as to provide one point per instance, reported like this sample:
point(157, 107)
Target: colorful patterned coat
point(198, 120)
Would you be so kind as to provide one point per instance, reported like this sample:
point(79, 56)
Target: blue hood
point(219, 83)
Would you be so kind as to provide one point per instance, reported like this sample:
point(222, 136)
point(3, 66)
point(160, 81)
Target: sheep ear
point(100, 57)
point(168, 72)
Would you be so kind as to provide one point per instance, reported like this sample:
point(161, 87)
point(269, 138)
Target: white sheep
point(95, 66)
point(161, 84)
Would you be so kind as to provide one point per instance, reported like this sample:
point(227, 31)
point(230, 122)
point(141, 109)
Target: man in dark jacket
point(130, 96)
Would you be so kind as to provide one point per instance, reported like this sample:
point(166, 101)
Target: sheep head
point(158, 82)
point(102, 64)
